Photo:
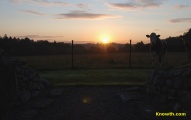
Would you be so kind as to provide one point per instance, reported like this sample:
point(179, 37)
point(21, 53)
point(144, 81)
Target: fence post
point(130, 55)
point(72, 54)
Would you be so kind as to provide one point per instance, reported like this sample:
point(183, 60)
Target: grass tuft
point(97, 77)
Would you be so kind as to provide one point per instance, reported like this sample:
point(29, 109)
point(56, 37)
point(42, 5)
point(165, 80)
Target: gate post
point(130, 55)
point(72, 54)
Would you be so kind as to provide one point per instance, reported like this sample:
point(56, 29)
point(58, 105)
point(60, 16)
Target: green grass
point(100, 69)
point(97, 77)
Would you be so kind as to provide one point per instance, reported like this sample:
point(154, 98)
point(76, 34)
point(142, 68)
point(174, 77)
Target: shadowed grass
point(97, 77)
point(100, 68)
point(101, 61)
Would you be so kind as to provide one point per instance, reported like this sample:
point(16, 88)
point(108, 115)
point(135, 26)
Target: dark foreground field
point(89, 93)
point(94, 103)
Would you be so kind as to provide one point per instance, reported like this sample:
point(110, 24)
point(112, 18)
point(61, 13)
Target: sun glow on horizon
point(105, 40)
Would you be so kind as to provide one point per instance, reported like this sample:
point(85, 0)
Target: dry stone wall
point(171, 86)
point(18, 81)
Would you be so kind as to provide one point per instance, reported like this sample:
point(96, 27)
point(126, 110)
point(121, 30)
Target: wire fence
point(104, 60)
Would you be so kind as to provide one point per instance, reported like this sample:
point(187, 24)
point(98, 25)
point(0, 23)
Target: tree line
point(27, 47)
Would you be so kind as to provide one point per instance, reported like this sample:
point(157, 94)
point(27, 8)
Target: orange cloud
point(133, 4)
point(177, 20)
point(31, 12)
point(84, 15)
point(182, 6)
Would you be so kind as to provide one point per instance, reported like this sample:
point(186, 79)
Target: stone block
point(187, 73)
point(189, 83)
point(167, 75)
point(185, 84)
point(177, 82)
point(172, 92)
point(177, 72)
point(188, 96)
point(158, 80)
point(163, 98)
point(24, 96)
point(151, 90)
point(164, 89)
point(169, 83)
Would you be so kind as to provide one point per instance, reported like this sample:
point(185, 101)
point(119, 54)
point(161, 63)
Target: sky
point(92, 21)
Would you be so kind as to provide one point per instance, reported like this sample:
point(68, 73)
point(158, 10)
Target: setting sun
point(105, 40)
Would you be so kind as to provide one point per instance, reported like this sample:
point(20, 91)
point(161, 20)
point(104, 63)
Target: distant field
point(100, 69)
point(118, 60)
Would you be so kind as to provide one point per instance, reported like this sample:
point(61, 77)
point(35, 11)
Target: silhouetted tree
point(79, 49)
point(111, 49)
point(5, 37)
point(139, 47)
point(20, 47)
point(95, 49)
point(186, 38)
point(124, 49)
point(174, 44)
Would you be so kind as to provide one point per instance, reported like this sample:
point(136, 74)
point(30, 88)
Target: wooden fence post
point(130, 55)
point(72, 54)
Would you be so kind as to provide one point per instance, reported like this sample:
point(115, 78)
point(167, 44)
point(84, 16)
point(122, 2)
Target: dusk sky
point(94, 20)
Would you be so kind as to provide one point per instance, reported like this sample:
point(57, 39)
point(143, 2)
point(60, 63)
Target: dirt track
point(92, 103)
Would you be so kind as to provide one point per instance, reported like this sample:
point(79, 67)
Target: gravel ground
point(93, 103)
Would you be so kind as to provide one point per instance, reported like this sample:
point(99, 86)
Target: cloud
point(182, 6)
point(31, 12)
point(82, 5)
point(84, 15)
point(38, 36)
point(16, 1)
point(156, 29)
point(178, 20)
point(41, 2)
point(134, 4)
point(48, 3)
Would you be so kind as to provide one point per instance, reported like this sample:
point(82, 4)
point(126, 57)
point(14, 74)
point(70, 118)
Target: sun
point(105, 40)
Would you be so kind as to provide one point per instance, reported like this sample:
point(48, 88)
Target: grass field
point(97, 77)
point(118, 60)
point(100, 69)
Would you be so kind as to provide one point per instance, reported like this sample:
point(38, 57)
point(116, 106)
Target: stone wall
point(18, 81)
point(172, 86)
